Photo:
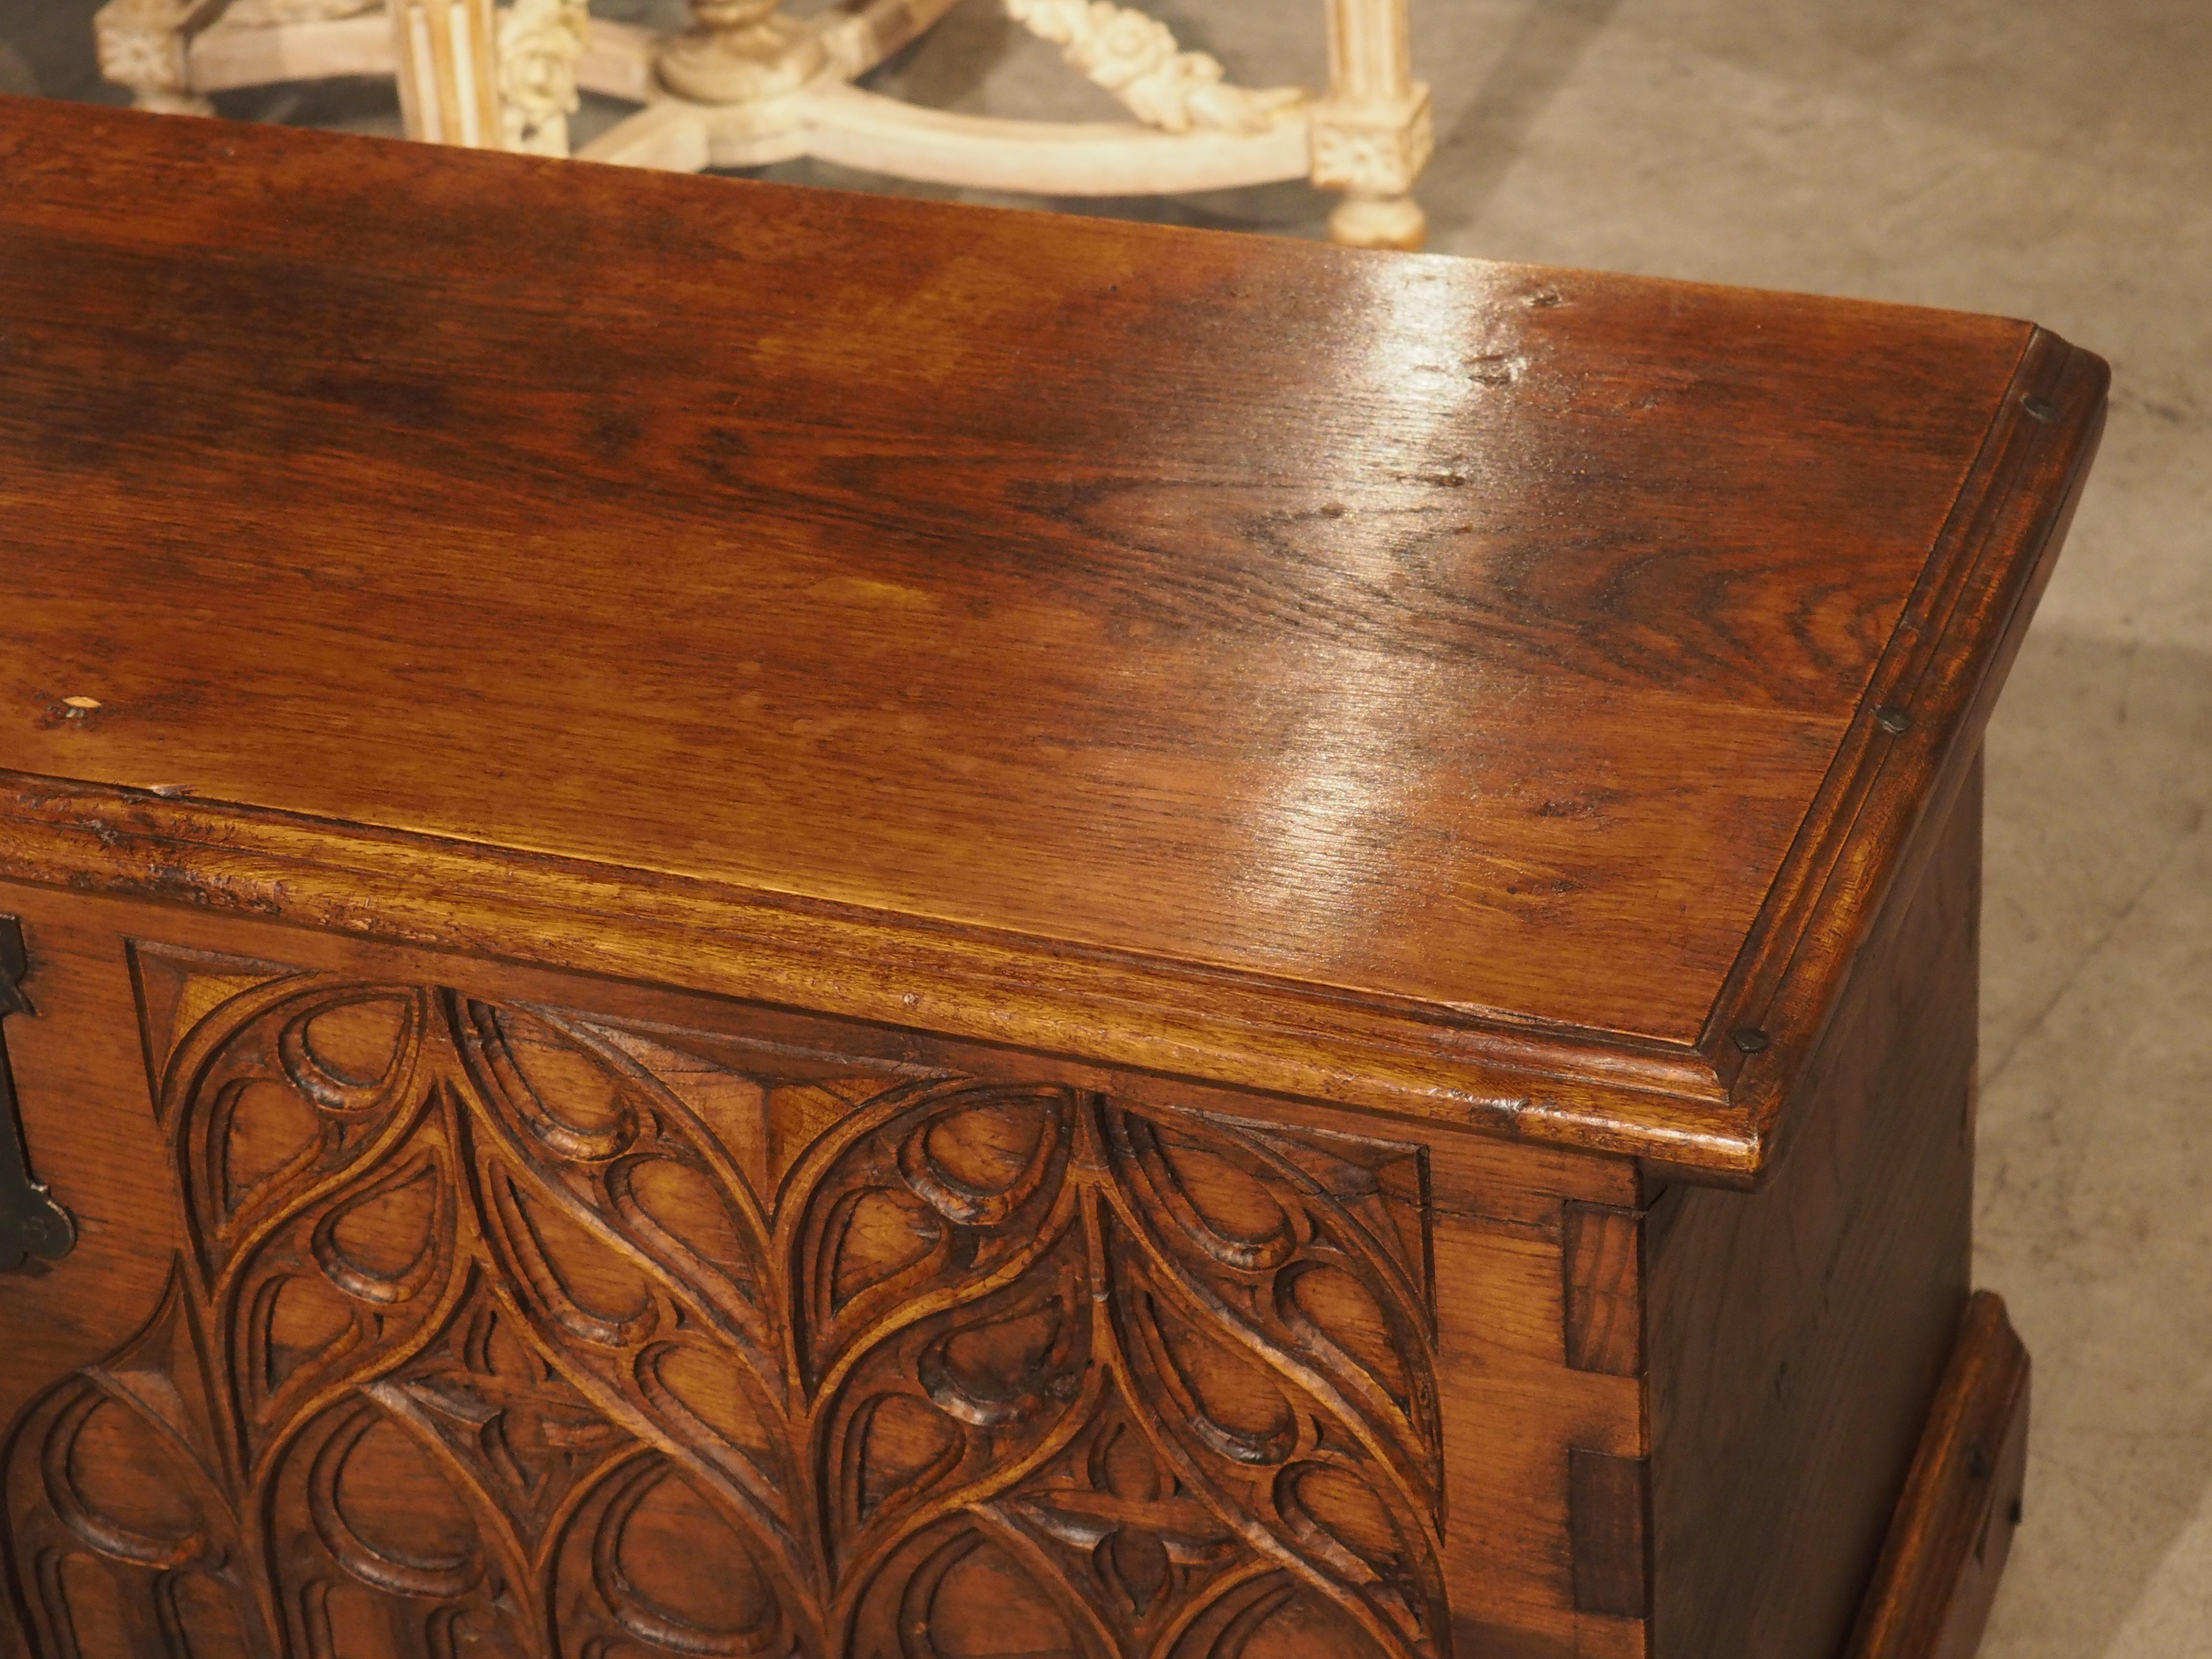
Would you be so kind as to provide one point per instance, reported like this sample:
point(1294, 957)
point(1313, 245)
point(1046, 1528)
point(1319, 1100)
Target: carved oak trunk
point(763, 923)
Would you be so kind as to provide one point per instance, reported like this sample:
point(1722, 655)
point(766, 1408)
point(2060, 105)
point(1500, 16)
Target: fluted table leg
point(1373, 134)
point(448, 71)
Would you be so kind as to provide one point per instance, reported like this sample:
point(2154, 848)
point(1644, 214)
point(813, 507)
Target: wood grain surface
point(1962, 1503)
point(1795, 1335)
point(1438, 687)
point(1603, 1251)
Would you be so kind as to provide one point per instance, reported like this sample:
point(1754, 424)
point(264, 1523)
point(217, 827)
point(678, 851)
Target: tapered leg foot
point(1391, 221)
point(172, 103)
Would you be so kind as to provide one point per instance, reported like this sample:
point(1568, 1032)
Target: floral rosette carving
point(540, 44)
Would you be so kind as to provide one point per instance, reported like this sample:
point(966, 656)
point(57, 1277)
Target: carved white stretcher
point(748, 85)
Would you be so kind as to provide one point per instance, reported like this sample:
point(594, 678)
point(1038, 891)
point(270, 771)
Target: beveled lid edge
point(1913, 737)
point(1594, 1092)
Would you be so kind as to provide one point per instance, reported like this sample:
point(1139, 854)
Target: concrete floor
point(2046, 159)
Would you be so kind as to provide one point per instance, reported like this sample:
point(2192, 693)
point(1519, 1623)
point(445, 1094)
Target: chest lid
point(1483, 692)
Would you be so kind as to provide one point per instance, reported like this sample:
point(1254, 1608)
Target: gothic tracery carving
point(491, 1322)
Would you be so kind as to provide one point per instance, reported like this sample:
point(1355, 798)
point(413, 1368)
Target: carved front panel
point(501, 1330)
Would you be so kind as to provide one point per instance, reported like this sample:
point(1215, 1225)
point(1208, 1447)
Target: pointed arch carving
point(492, 1321)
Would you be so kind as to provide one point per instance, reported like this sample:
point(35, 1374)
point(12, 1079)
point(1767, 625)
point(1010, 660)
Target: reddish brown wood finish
point(1055, 613)
point(1953, 1526)
point(1609, 1505)
point(1603, 1250)
point(830, 1302)
point(770, 923)
point(1796, 1334)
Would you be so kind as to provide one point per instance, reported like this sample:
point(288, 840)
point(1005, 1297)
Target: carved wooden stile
point(498, 1329)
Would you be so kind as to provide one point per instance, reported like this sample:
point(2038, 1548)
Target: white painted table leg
point(489, 78)
point(146, 45)
point(446, 54)
point(1374, 133)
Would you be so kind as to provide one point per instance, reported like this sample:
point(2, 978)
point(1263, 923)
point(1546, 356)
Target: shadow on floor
point(1539, 59)
point(2097, 1066)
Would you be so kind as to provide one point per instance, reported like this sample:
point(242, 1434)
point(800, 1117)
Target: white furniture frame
point(747, 86)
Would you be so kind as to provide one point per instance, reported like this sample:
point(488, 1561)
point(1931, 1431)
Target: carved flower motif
point(141, 58)
point(1169, 97)
point(540, 42)
point(1372, 157)
point(1123, 45)
point(1135, 57)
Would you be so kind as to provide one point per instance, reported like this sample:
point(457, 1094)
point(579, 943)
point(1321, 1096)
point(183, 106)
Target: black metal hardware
point(31, 1223)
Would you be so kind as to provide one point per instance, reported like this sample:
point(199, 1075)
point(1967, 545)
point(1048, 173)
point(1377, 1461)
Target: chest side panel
point(1798, 1333)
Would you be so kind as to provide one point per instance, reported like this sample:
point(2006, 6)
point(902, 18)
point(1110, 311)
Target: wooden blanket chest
point(743, 921)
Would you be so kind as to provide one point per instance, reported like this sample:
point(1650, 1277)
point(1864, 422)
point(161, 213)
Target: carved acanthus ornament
point(1137, 59)
point(540, 43)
